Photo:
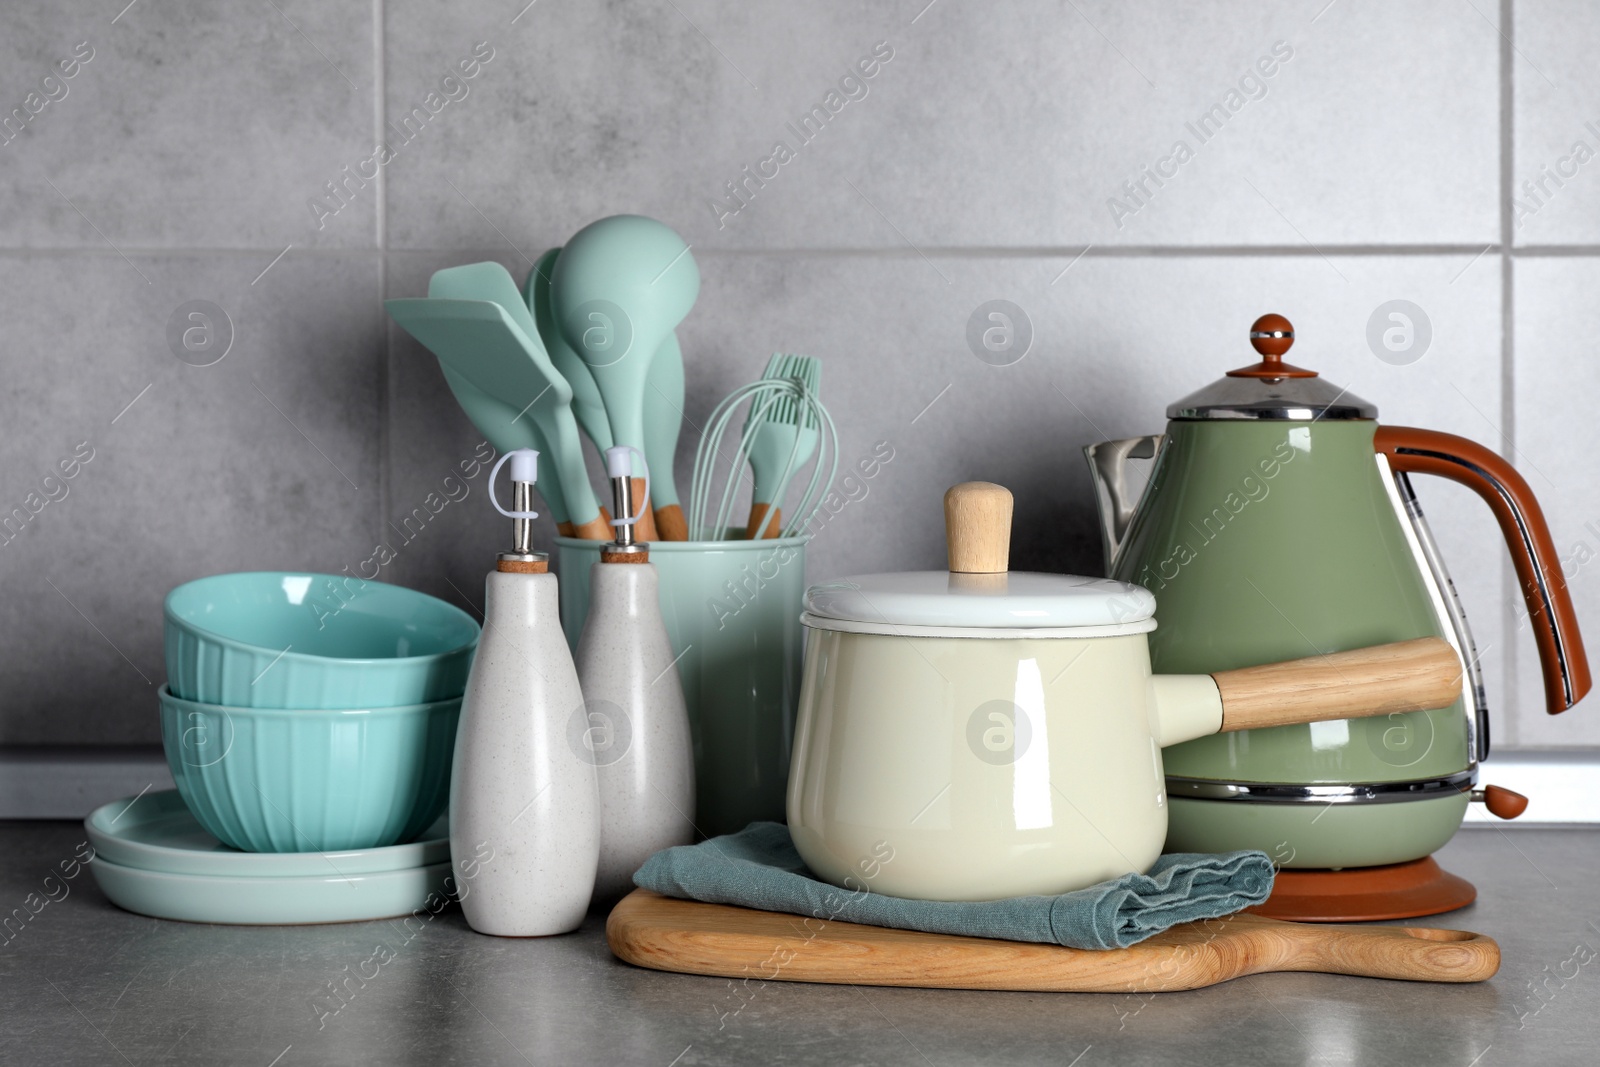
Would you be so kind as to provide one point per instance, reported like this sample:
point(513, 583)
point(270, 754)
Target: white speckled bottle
point(524, 803)
point(638, 726)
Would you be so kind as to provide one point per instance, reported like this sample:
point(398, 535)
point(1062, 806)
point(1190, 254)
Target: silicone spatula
point(496, 420)
point(477, 341)
point(531, 383)
point(782, 436)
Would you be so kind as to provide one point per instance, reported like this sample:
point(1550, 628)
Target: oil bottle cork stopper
point(977, 528)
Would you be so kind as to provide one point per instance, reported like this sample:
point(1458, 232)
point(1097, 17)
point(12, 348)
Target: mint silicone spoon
point(663, 422)
point(435, 324)
point(782, 437)
point(587, 406)
point(620, 286)
point(531, 383)
point(663, 401)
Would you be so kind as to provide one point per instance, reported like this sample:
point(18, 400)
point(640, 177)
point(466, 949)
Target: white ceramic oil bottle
point(638, 728)
point(524, 801)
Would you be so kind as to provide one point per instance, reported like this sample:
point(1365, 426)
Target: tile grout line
point(380, 91)
point(1508, 377)
point(1093, 251)
point(381, 221)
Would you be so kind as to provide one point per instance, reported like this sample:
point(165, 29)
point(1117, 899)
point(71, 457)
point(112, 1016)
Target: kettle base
point(1366, 894)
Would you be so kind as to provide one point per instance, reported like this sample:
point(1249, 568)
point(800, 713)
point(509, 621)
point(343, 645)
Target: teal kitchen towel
point(758, 867)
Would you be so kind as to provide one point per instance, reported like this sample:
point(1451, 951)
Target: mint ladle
point(620, 287)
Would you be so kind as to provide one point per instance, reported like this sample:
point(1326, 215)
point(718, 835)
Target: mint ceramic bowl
point(276, 780)
point(285, 639)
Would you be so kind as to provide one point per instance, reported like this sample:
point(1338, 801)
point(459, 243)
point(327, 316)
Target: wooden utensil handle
point(758, 513)
point(1404, 676)
point(645, 529)
point(671, 524)
point(596, 529)
point(1412, 954)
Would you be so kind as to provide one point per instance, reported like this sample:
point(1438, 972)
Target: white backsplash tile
point(1555, 173)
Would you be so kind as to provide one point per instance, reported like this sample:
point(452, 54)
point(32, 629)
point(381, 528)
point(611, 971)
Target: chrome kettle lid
point(1272, 389)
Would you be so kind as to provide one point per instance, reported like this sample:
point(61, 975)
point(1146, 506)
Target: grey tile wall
point(1334, 157)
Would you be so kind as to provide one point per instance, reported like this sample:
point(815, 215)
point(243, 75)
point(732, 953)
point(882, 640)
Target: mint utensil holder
point(732, 611)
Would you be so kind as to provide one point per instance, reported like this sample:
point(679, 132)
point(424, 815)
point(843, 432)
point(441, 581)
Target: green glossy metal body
point(1276, 539)
point(1316, 836)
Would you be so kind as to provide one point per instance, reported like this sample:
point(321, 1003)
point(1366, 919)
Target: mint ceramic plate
point(268, 901)
point(156, 832)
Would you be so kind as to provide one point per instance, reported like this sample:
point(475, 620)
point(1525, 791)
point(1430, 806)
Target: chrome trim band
point(1287, 412)
point(1283, 793)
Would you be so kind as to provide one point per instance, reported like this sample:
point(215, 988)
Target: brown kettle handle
point(1555, 624)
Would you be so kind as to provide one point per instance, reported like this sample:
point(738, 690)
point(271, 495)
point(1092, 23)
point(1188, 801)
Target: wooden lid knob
point(977, 528)
point(1272, 336)
point(1503, 803)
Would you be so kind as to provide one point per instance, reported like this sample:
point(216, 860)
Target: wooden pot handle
point(1404, 676)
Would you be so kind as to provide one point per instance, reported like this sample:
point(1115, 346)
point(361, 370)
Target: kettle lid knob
point(1272, 336)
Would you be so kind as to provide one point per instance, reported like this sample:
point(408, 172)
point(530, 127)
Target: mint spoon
point(587, 406)
point(620, 287)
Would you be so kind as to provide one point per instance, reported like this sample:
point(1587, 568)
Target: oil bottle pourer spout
point(619, 468)
point(619, 462)
point(524, 473)
point(524, 465)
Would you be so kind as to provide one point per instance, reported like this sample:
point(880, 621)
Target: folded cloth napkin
point(758, 867)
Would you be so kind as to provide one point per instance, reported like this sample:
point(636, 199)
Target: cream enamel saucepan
point(977, 734)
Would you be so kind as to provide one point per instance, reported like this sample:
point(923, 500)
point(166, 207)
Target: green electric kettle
point(1278, 521)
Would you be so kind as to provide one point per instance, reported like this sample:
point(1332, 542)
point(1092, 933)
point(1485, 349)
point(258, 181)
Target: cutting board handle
point(1406, 953)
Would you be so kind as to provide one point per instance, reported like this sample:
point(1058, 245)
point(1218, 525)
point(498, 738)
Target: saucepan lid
point(978, 596)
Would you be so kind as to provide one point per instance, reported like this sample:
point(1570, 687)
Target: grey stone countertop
point(84, 982)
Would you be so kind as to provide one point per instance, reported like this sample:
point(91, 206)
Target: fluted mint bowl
point(290, 639)
point(275, 780)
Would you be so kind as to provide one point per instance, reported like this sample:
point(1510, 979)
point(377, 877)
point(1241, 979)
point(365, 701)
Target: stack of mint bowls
point(311, 712)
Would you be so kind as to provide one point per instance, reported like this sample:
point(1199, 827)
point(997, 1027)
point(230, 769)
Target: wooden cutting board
point(653, 931)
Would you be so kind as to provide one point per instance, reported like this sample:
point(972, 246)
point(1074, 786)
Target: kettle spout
point(1113, 495)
